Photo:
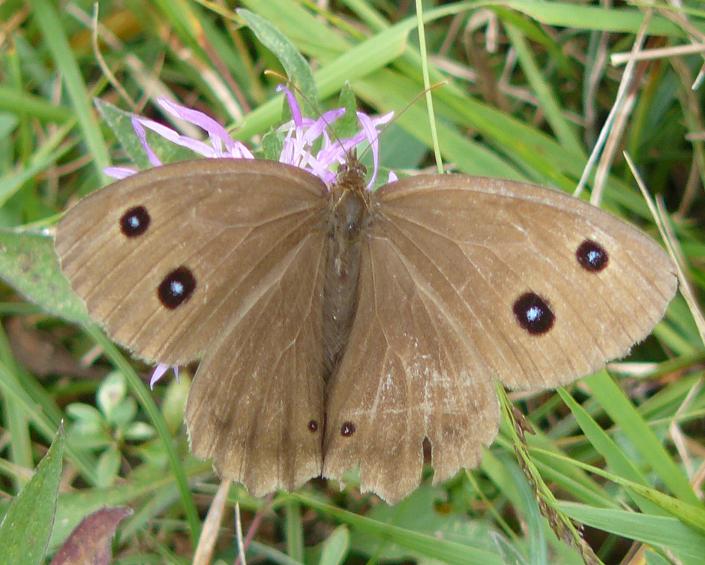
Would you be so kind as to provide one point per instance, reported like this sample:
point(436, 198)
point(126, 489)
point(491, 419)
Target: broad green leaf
point(108, 466)
point(174, 402)
point(335, 548)
point(26, 527)
point(348, 125)
point(111, 392)
point(121, 124)
point(84, 412)
point(29, 264)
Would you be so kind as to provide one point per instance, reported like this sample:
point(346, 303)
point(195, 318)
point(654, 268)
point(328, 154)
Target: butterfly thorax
point(349, 207)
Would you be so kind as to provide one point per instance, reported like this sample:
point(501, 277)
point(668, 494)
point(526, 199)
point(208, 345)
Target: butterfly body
point(339, 328)
point(349, 205)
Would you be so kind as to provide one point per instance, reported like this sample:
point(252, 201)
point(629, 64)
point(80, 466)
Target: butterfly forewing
point(163, 259)
point(546, 288)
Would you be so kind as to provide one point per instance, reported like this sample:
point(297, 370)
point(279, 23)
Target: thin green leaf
point(294, 530)
point(660, 531)
point(294, 64)
point(548, 102)
point(617, 461)
point(23, 103)
point(622, 411)
point(51, 26)
point(423, 544)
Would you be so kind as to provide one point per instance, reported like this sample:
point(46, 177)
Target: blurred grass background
point(529, 87)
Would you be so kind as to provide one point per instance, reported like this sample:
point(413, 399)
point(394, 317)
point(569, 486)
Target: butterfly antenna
point(413, 101)
point(312, 103)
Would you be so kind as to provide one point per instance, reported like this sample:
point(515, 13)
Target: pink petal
point(119, 172)
point(158, 373)
point(184, 141)
point(216, 132)
point(369, 128)
point(293, 104)
point(142, 135)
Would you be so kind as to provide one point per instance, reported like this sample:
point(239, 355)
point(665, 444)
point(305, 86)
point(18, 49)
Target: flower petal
point(369, 128)
point(142, 136)
point(157, 374)
point(194, 145)
point(119, 172)
point(217, 134)
point(293, 104)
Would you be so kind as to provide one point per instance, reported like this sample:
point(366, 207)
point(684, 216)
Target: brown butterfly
point(341, 328)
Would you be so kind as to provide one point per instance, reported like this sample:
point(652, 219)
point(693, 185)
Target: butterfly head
point(351, 174)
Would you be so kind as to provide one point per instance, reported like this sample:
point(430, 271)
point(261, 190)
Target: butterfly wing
point(226, 222)
point(250, 234)
point(406, 376)
point(256, 404)
point(471, 280)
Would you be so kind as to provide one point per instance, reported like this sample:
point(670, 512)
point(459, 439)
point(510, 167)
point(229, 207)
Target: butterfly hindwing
point(256, 404)
point(407, 375)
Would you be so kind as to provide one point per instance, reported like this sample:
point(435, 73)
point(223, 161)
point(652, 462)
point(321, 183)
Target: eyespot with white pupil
point(135, 221)
point(533, 313)
point(176, 288)
point(592, 256)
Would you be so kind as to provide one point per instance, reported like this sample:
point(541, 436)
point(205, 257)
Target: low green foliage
point(614, 458)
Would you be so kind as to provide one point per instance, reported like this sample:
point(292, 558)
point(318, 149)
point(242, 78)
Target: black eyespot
point(313, 426)
point(135, 221)
point(347, 429)
point(533, 313)
point(176, 288)
point(592, 256)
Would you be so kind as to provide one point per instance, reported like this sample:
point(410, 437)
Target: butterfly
point(339, 327)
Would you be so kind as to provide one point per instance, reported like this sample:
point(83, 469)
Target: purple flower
point(307, 144)
point(159, 372)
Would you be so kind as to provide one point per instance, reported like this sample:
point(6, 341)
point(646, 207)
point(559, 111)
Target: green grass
point(621, 454)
